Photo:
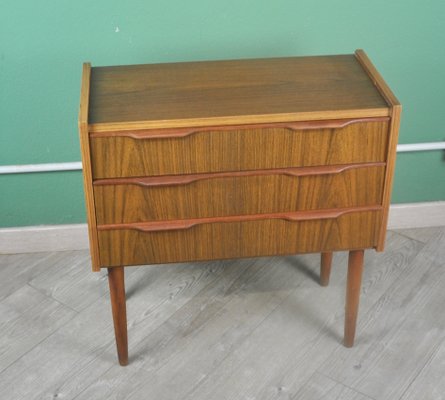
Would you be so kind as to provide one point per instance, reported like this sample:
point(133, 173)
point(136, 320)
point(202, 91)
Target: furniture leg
point(325, 268)
point(355, 269)
point(119, 309)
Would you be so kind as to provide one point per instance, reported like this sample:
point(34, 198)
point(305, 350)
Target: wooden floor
point(240, 329)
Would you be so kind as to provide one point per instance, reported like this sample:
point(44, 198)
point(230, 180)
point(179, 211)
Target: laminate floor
point(239, 329)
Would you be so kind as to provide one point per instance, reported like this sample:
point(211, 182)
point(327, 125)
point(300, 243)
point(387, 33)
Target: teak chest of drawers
point(226, 159)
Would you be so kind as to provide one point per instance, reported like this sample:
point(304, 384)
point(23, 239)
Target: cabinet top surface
point(232, 92)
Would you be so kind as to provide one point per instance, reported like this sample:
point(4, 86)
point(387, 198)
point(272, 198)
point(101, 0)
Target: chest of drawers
point(227, 159)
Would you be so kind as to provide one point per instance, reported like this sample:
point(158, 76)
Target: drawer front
point(253, 192)
point(234, 239)
point(151, 153)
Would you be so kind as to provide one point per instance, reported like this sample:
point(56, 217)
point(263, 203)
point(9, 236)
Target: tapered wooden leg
point(325, 268)
point(119, 309)
point(355, 269)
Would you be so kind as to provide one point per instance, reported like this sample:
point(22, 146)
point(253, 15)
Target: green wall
point(43, 43)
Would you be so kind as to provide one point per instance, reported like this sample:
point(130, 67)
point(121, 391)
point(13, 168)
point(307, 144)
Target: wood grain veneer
point(171, 180)
point(236, 193)
point(242, 238)
point(395, 112)
point(183, 132)
point(239, 149)
point(241, 158)
point(157, 226)
point(203, 93)
point(86, 165)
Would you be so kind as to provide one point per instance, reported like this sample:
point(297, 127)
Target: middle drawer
point(125, 200)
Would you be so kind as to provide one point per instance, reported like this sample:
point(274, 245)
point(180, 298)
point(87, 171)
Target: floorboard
point(27, 318)
point(430, 383)
point(403, 330)
point(321, 387)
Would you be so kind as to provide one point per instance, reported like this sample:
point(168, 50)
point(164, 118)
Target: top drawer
point(200, 150)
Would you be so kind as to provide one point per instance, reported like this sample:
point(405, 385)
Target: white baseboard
point(416, 215)
point(32, 239)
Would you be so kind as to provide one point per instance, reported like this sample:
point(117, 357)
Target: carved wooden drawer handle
point(171, 180)
point(184, 132)
point(158, 226)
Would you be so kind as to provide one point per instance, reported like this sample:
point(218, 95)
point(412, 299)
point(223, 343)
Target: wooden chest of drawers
point(226, 159)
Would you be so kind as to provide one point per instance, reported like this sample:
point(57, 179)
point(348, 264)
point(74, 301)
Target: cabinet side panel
point(395, 112)
point(389, 176)
point(376, 78)
point(86, 166)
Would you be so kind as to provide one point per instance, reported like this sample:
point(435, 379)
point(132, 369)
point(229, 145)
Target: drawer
point(125, 200)
point(206, 150)
point(239, 236)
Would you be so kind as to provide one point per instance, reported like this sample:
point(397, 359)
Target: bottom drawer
point(204, 240)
